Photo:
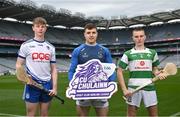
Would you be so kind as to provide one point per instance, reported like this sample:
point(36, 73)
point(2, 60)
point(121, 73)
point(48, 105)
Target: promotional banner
point(90, 81)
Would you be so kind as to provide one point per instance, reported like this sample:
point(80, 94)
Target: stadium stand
point(7, 66)
point(3, 70)
point(173, 58)
point(63, 64)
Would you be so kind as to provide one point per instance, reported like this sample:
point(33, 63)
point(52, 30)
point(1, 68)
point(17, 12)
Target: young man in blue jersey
point(142, 63)
point(82, 54)
point(39, 58)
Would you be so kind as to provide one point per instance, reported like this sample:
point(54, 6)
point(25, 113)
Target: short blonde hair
point(39, 20)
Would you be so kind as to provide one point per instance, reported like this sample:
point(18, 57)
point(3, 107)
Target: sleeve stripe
point(21, 57)
point(52, 61)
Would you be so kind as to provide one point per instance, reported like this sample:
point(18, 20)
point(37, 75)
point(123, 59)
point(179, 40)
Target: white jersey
point(38, 56)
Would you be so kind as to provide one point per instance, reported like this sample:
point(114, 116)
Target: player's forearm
point(121, 80)
point(54, 76)
point(156, 71)
point(55, 81)
point(19, 63)
point(18, 66)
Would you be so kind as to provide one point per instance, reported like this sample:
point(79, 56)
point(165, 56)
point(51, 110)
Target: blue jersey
point(85, 52)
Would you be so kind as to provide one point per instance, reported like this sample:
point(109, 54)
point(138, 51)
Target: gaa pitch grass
point(11, 101)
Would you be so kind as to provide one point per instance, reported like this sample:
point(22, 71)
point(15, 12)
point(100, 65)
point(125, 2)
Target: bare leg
point(44, 107)
point(102, 112)
point(31, 109)
point(153, 111)
point(131, 111)
point(82, 111)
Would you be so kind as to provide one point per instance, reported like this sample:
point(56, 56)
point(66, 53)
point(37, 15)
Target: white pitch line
point(175, 115)
point(7, 114)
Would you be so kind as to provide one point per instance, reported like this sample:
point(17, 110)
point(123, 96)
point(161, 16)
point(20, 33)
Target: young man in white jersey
point(142, 63)
point(39, 58)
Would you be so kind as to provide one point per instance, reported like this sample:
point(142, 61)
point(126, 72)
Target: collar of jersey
point(39, 41)
point(91, 44)
point(139, 50)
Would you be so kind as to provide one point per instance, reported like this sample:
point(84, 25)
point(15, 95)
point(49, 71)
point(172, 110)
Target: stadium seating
point(7, 65)
point(116, 39)
point(172, 58)
point(63, 65)
point(122, 36)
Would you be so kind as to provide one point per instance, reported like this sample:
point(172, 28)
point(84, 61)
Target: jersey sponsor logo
point(40, 56)
point(142, 65)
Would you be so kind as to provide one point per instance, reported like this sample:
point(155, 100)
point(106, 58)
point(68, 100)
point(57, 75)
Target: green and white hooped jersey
point(140, 64)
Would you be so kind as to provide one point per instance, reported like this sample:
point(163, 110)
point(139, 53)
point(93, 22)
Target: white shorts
point(98, 103)
point(149, 98)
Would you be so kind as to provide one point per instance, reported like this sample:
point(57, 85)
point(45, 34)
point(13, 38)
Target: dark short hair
point(138, 29)
point(90, 26)
point(39, 20)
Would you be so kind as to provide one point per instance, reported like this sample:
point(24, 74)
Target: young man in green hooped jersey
point(142, 63)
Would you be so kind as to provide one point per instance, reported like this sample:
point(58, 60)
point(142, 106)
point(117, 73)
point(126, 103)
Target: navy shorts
point(35, 95)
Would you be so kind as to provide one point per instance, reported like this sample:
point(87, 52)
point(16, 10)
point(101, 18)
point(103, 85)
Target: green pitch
point(11, 98)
